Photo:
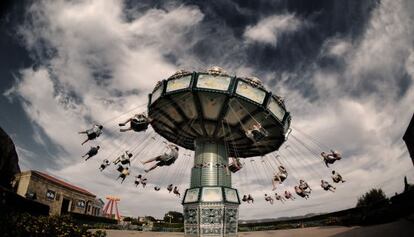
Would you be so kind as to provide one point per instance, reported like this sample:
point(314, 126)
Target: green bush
point(374, 197)
point(25, 225)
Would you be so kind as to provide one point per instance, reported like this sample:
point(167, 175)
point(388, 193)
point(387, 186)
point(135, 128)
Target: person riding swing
point(256, 133)
point(92, 133)
point(279, 177)
point(165, 159)
point(336, 177)
point(170, 188)
point(288, 195)
point(248, 198)
point(301, 193)
point(330, 158)
point(279, 198)
point(105, 163)
point(327, 186)
point(92, 152)
point(139, 179)
point(123, 174)
point(176, 191)
point(124, 159)
point(269, 199)
point(235, 165)
point(138, 123)
point(304, 186)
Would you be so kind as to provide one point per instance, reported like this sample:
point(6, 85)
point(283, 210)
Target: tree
point(371, 198)
point(173, 217)
point(127, 218)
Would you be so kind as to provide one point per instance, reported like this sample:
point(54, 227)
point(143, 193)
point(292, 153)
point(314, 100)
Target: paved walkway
point(401, 228)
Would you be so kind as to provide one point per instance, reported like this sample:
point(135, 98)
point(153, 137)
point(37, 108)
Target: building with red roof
point(61, 196)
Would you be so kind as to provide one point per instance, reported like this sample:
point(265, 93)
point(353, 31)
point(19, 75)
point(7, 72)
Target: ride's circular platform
point(216, 106)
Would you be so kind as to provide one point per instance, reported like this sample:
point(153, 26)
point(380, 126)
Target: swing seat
point(120, 168)
point(256, 135)
point(139, 125)
point(124, 162)
point(234, 168)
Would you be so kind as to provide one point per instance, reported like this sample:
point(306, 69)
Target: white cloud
point(75, 41)
point(271, 28)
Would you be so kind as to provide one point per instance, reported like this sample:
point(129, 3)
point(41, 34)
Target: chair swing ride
point(230, 125)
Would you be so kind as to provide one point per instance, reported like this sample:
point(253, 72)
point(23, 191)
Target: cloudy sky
point(345, 69)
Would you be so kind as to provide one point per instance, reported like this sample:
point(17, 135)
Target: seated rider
point(124, 174)
point(105, 163)
point(176, 191)
point(140, 179)
point(92, 152)
point(336, 155)
point(336, 177)
point(244, 199)
point(92, 133)
point(288, 195)
point(157, 188)
point(280, 176)
point(269, 199)
point(170, 188)
point(279, 198)
point(235, 165)
point(137, 180)
point(304, 186)
point(331, 157)
point(167, 158)
point(138, 123)
point(124, 159)
point(250, 198)
point(301, 193)
point(327, 186)
point(256, 133)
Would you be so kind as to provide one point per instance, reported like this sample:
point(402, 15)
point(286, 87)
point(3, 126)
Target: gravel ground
point(402, 228)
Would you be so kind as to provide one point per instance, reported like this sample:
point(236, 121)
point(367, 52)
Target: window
point(212, 195)
point(81, 204)
point(231, 195)
point(157, 93)
point(246, 90)
point(51, 195)
point(178, 84)
point(276, 109)
point(192, 195)
point(213, 82)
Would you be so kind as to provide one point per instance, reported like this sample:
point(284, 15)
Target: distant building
point(409, 138)
point(59, 195)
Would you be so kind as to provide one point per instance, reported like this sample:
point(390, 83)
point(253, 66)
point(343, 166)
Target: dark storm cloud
point(13, 119)
point(220, 36)
point(342, 66)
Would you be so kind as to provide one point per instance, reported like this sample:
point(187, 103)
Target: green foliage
point(127, 218)
point(371, 198)
point(150, 218)
point(25, 225)
point(175, 217)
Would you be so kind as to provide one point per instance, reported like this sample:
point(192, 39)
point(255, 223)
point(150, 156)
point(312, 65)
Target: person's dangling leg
point(85, 141)
point(151, 160)
point(152, 168)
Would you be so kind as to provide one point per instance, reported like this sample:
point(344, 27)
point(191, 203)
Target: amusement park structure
point(221, 119)
point(108, 209)
point(218, 116)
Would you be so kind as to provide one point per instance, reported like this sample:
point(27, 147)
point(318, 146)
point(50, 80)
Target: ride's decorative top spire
point(216, 70)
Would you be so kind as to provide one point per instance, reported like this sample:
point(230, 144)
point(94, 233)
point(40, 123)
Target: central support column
point(210, 204)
